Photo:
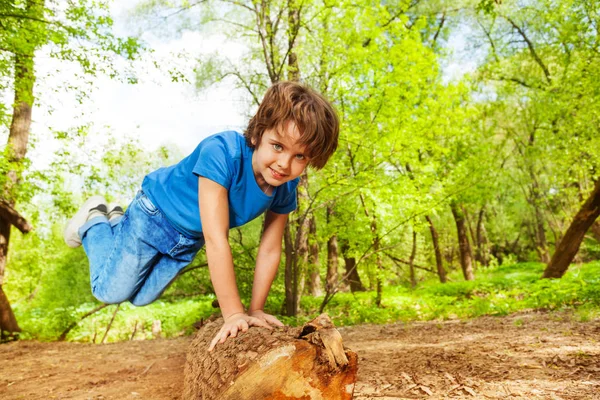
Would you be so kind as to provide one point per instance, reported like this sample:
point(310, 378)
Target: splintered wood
point(287, 363)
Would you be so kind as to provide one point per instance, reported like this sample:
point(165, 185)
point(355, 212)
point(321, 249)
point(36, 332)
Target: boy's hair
point(311, 112)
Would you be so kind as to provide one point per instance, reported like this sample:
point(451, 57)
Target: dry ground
point(523, 356)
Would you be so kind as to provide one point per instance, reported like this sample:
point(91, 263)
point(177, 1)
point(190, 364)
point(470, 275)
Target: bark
point(332, 257)
point(466, 262)
point(315, 287)
point(438, 254)
point(288, 363)
point(351, 271)
point(411, 261)
point(569, 245)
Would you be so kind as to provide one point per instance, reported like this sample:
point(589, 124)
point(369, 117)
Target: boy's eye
point(277, 147)
point(300, 156)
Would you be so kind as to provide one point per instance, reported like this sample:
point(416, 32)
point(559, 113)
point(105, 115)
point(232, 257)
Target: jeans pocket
point(146, 205)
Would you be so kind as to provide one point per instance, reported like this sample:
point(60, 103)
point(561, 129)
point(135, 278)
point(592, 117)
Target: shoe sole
point(71, 234)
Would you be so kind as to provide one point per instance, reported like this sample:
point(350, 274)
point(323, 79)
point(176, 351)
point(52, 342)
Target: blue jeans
point(137, 257)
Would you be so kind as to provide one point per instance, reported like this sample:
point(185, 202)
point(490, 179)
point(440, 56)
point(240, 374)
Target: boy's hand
point(263, 316)
point(234, 324)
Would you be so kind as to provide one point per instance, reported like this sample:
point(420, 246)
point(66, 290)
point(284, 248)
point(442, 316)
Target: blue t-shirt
point(226, 159)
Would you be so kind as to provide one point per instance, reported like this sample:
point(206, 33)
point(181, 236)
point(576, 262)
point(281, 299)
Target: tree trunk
point(411, 261)
point(466, 262)
point(300, 252)
point(289, 270)
point(351, 271)
point(315, 287)
point(288, 363)
point(569, 245)
point(438, 254)
point(473, 242)
point(18, 139)
point(332, 257)
point(482, 241)
point(379, 262)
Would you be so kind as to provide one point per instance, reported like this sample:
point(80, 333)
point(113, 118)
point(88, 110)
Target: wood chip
point(469, 390)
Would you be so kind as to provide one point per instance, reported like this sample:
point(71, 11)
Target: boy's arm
point(267, 262)
point(214, 212)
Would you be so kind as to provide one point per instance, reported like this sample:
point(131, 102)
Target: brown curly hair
point(310, 111)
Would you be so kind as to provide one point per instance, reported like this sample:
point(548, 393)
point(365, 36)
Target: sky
point(155, 110)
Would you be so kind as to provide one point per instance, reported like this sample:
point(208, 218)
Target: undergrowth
point(496, 291)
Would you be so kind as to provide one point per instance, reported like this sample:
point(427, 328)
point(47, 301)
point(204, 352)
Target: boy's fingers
point(245, 326)
point(234, 331)
point(260, 322)
point(224, 336)
point(276, 322)
point(213, 343)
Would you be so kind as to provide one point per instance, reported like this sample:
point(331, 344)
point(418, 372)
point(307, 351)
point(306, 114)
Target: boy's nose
point(284, 162)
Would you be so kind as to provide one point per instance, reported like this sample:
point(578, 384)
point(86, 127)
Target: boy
point(226, 182)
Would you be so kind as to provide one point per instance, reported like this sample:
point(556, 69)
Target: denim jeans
point(137, 257)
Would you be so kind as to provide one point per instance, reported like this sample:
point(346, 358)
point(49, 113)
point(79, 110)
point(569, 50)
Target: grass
point(496, 291)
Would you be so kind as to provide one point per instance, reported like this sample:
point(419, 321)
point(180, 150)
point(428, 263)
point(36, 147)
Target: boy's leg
point(122, 257)
point(166, 269)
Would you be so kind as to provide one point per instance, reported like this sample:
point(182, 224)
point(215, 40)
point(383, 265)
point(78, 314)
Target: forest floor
point(521, 356)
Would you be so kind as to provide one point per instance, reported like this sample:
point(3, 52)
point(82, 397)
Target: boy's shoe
point(95, 206)
point(114, 211)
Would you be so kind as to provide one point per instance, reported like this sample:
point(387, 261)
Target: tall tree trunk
point(569, 245)
point(351, 271)
point(471, 231)
point(18, 139)
point(332, 256)
point(436, 247)
point(290, 257)
point(482, 241)
point(300, 252)
point(539, 226)
point(314, 285)
point(378, 262)
point(411, 261)
point(466, 262)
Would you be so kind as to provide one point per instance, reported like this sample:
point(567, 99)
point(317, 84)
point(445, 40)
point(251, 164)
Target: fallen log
point(308, 362)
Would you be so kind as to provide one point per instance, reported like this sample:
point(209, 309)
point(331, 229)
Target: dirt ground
point(523, 356)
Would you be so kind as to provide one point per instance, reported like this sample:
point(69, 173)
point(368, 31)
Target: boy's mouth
point(276, 175)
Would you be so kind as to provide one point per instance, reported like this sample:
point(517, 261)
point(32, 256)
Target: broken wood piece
point(286, 363)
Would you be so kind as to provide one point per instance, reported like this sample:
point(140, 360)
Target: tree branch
point(534, 54)
point(8, 213)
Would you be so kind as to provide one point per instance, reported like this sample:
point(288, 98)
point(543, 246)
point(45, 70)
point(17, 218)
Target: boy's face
point(279, 158)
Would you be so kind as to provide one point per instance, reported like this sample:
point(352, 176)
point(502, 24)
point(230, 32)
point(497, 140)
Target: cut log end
point(287, 363)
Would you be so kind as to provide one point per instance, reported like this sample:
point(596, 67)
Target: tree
point(543, 61)
point(26, 27)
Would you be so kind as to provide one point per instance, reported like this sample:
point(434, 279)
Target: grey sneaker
point(114, 211)
point(95, 206)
